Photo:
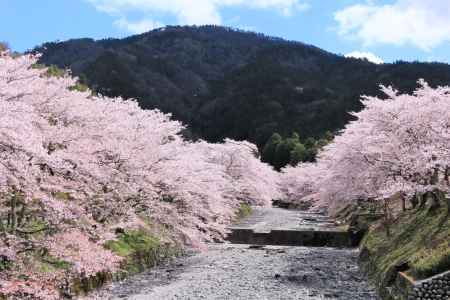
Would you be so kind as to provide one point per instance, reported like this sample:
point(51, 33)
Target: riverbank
point(418, 246)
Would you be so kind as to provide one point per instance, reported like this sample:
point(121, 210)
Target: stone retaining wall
point(434, 288)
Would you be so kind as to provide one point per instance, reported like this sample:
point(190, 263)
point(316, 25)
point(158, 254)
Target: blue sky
point(384, 30)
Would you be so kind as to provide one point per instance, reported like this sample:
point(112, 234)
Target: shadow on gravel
point(331, 273)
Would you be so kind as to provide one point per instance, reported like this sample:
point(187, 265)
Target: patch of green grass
point(35, 226)
point(62, 196)
point(244, 211)
point(79, 87)
point(49, 264)
point(431, 262)
point(133, 241)
point(38, 66)
point(419, 240)
point(140, 249)
point(54, 71)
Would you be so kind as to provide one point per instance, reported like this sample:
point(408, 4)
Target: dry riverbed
point(237, 272)
point(244, 272)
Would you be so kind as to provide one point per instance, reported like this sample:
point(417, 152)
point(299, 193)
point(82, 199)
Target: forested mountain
point(229, 83)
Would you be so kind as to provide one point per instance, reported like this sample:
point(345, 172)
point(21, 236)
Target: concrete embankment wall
point(311, 238)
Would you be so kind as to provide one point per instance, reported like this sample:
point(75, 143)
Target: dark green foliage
point(242, 85)
point(283, 153)
point(79, 87)
point(280, 152)
point(268, 152)
point(298, 154)
point(54, 71)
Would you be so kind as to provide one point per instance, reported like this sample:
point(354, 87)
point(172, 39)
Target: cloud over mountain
point(423, 24)
point(187, 12)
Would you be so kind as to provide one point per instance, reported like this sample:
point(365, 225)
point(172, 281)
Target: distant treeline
point(280, 152)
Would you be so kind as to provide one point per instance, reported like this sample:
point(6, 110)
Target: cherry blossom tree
point(301, 183)
point(75, 167)
point(396, 146)
point(254, 182)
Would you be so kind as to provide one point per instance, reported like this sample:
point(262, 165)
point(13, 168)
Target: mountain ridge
point(223, 82)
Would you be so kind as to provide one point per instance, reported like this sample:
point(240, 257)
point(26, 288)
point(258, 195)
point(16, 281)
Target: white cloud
point(423, 24)
point(196, 12)
point(137, 27)
point(368, 55)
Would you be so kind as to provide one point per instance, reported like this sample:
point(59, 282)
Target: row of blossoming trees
point(397, 147)
point(74, 167)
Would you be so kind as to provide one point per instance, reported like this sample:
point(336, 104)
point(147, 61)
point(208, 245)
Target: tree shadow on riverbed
point(328, 273)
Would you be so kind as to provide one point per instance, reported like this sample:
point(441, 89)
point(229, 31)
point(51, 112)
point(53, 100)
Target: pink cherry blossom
point(81, 165)
point(395, 145)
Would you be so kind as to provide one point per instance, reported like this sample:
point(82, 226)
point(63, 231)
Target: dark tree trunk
point(21, 217)
point(447, 180)
point(414, 200)
point(13, 213)
point(422, 200)
point(447, 200)
point(403, 199)
point(387, 218)
point(434, 196)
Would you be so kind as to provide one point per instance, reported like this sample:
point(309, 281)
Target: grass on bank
point(140, 249)
point(419, 245)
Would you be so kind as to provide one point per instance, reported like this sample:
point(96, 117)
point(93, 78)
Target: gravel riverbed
point(245, 272)
point(235, 272)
